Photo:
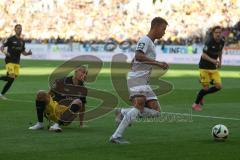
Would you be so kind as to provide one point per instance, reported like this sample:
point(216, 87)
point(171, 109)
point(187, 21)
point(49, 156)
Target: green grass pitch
point(151, 141)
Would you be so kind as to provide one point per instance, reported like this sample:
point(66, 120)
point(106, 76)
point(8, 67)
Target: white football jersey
point(139, 69)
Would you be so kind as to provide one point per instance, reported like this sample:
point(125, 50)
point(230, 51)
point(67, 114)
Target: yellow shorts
point(208, 75)
point(54, 110)
point(12, 68)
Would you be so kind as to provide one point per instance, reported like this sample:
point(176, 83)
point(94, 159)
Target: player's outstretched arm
point(5, 44)
point(220, 61)
point(27, 53)
point(4, 51)
point(140, 56)
point(206, 57)
point(2, 48)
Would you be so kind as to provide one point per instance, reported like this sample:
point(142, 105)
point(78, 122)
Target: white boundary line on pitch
point(183, 114)
point(215, 117)
point(203, 116)
point(17, 100)
point(171, 113)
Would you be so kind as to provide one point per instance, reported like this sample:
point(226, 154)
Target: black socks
point(203, 92)
point(8, 84)
point(40, 106)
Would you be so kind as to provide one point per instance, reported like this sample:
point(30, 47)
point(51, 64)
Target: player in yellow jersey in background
point(15, 47)
point(209, 65)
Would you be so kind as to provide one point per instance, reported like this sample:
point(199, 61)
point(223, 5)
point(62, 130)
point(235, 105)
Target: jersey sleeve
point(23, 48)
point(223, 43)
point(6, 42)
point(206, 46)
point(142, 45)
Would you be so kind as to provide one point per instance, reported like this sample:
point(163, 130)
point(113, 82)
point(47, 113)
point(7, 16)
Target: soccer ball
point(220, 132)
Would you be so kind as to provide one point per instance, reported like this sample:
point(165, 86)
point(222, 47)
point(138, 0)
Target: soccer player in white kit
point(143, 98)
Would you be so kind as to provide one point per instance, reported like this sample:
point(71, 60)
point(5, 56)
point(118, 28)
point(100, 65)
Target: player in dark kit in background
point(209, 64)
point(15, 47)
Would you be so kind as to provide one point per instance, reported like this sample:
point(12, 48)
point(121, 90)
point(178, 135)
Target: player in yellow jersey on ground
point(50, 104)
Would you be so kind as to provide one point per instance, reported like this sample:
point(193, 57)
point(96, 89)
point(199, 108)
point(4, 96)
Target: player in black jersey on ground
point(53, 104)
point(15, 47)
point(210, 62)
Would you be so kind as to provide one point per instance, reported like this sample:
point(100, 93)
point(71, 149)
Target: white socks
point(131, 115)
point(40, 123)
point(147, 112)
point(124, 111)
point(55, 125)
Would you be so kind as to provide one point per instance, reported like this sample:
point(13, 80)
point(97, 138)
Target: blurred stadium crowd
point(63, 21)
